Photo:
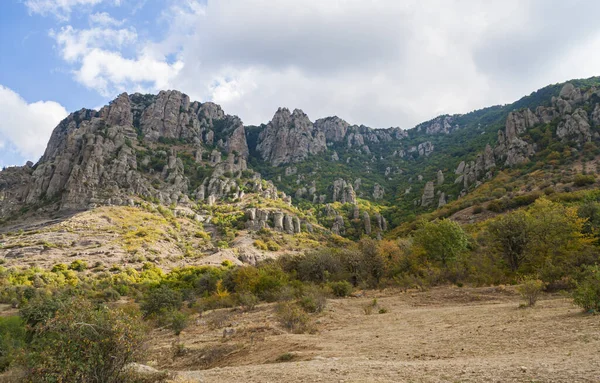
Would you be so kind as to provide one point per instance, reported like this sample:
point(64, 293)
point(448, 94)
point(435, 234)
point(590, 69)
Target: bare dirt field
point(446, 334)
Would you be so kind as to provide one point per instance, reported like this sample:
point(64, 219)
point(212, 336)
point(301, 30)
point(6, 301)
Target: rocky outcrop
point(334, 128)
point(257, 219)
point(510, 146)
point(425, 148)
point(440, 177)
point(428, 194)
point(338, 225)
point(378, 192)
point(596, 115)
point(440, 125)
point(575, 127)
point(381, 222)
point(367, 223)
point(442, 200)
point(343, 192)
point(289, 137)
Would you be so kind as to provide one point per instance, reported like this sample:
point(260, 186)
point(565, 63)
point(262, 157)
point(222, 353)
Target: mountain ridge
point(172, 150)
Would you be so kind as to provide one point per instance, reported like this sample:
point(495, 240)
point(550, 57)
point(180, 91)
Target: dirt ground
point(446, 334)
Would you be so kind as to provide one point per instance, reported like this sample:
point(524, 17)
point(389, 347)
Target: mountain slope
point(353, 180)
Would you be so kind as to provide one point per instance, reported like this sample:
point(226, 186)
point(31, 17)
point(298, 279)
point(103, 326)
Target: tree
point(510, 235)
point(373, 263)
point(556, 238)
point(442, 240)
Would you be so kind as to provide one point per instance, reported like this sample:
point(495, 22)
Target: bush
point(260, 245)
point(78, 265)
point(313, 300)
point(293, 318)
point(12, 340)
point(587, 293)
point(273, 246)
point(161, 299)
point(59, 267)
point(341, 289)
point(584, 180)
point(530, 290)
point(179, 321)
point(83, 343)
point(247, 300)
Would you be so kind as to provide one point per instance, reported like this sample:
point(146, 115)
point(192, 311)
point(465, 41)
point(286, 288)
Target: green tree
point(556, 238)
point(510, 234)
point(373, 263)
point(442, 240)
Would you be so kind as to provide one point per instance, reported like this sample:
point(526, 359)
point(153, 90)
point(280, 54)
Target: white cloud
point(76, 44)
point(27, 127)
point(61, 9)
point(101, 64)
point(103, 19)
point(381, 63)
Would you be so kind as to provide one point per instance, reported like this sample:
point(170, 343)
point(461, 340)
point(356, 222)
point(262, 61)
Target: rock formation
point(289, 137)
point(428, 194)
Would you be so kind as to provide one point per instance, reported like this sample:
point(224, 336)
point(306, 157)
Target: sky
point(380, 63)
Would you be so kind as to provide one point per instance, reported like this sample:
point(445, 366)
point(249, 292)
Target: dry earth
point(447, 334)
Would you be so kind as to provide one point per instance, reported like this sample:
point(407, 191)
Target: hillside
point(158, 216)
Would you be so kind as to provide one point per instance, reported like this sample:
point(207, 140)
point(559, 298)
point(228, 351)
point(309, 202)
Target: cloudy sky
point(380, 62)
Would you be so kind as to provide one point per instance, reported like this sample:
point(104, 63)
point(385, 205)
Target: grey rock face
point(461, 168)
point(489, 160)
point(571, 94)
point(545, 114)
point(381, 222)
point(378, 192)
point(575, 127)
point(338, 225)
point(441, 125)
point(260, 221)
point(510, 147)
point(440, 177)
point(367, 223)
point(343, 192)
point(334, 128)
point(596, 115)
point(442, 200)
point(428, 194)
point(425, 148)
point(289, 137)
point(518, 122)
point(288, 224)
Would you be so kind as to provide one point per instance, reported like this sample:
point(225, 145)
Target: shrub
point(179, 321)
point(161, 299)
point(273, 246)
point(12, 339)
point(83, 343)
point(368, 308)
point(313, 300)
point(293, 318)
point(477, 209)
point(260, 245)
point(341, 289)
point(285, 357)
point(584, 180)
point(78, 265)
point(247, 300)
point(587, 293)
point(530, 290)
point(59, 267)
